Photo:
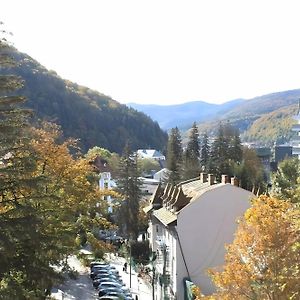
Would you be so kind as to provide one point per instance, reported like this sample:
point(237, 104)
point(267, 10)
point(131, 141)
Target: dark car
point(106, 290)
point(97, 263)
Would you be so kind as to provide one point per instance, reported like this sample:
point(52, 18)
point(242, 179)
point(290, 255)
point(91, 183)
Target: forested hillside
point(82, 113)
point(265, 120)
point(274, 126)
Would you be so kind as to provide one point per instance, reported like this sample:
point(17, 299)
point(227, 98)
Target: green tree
point(235, 147)
point(191, 156)
point(219, 163)
point(285, 182)
point(174, 156)
point(226, 151)
point(129, 186)
point(250, 171)
point(204, 152)
point(146, 165)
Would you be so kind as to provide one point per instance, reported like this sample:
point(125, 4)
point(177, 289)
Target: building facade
point(190, 223)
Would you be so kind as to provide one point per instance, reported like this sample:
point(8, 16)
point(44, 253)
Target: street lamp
point(153, 258)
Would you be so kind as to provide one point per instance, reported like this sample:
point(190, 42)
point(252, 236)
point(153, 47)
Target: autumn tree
point(263, 261)
point(21, 242)
point(174, 156)
point(77, 198)
point(191, 156)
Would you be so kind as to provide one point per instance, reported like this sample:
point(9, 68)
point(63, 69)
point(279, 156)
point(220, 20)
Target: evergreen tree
point(219, 154)
point(174, 156)
point(191, 162)
point(236, 151)
point(129, 186)
point(226, 151)
point(204, 153)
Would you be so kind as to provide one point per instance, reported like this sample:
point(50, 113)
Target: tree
point(286, 180)
point(43, 192)
point(235, 146)
point(226, 151)
point(250, 171)
point(147, 165)
point(20, 239)
point(263, 261)
point(191, 163)
point(129, 186)
point(174, 156)
point(204, 153)
point(219, 154)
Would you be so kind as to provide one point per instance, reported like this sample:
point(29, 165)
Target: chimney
point(211, 179)
point(234, 181)
point(203, 177)
point(225, 179)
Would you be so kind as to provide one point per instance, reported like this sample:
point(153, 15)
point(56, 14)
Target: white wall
point(204, 227)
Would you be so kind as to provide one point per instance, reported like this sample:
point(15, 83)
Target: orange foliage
point(263, 261)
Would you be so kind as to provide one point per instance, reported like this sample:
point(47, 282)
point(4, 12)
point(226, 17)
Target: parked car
point(97, 263)
point(116, 294)
point(102, 267)
point(103, 271)
point(104, 291)
point(108, 297)
point(108, 284)
point(108, 275)
point(98, 281)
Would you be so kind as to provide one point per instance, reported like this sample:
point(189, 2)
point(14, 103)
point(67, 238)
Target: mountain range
point(265, 119)
point(98, 120)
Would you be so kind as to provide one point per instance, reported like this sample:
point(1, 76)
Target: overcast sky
point(163, 52)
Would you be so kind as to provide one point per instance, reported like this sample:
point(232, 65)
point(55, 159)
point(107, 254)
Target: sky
point(161, 51)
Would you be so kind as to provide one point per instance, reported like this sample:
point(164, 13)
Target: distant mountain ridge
point(93, 118)
point(264, 119)
point(183, 115)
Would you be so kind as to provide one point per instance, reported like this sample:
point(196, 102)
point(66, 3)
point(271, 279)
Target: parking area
point(82, 288)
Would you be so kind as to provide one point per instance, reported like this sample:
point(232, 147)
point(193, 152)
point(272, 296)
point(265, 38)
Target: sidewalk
point(79, 289)
point(136, 285)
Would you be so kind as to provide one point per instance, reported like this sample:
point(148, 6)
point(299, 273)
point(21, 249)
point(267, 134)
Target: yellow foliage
point(263, 261)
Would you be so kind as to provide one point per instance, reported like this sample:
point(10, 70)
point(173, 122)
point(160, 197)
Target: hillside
point(82, 113)
point(274, 126)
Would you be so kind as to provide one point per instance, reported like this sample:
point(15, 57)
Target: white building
point(190, 225)
point(105, 182)
point(161, 175)
point(150, 153)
